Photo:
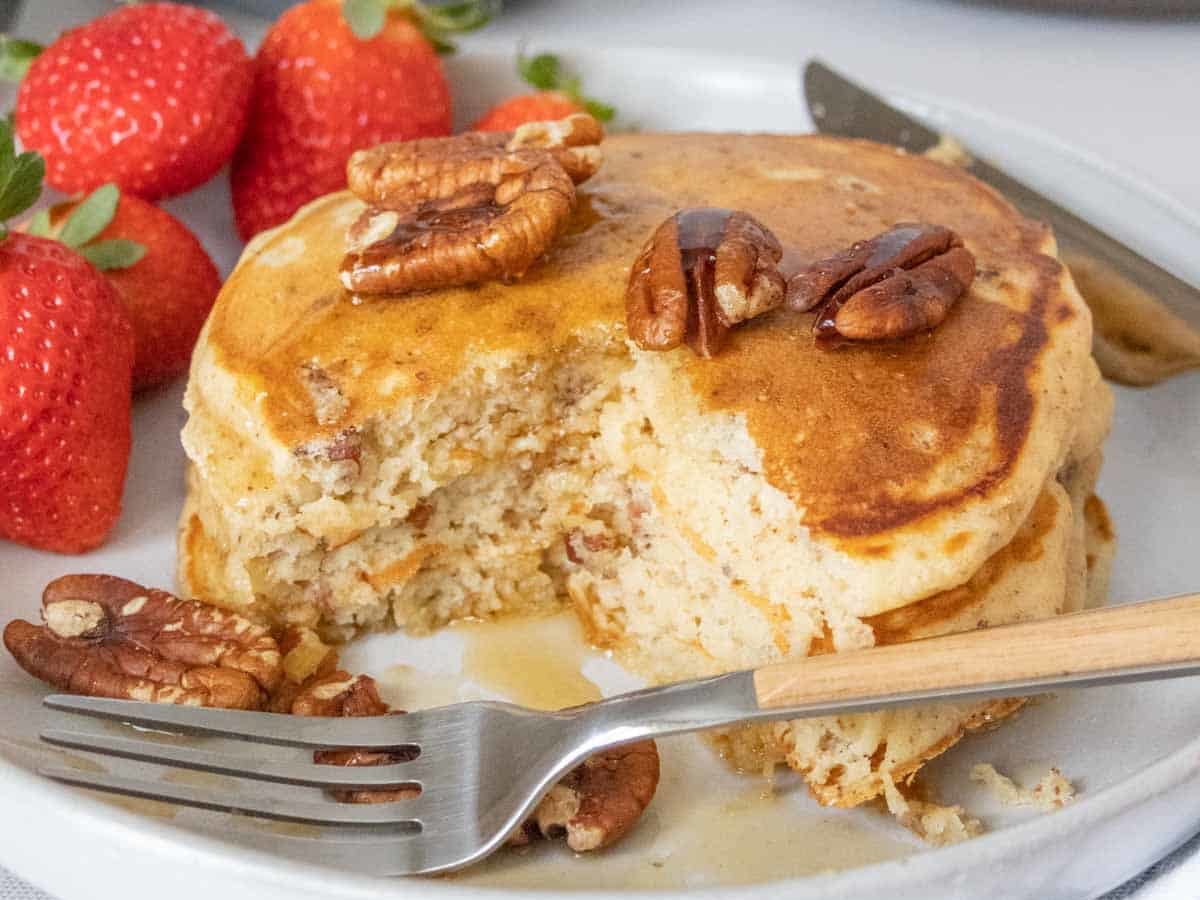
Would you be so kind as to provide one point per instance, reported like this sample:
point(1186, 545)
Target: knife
point(838, 106)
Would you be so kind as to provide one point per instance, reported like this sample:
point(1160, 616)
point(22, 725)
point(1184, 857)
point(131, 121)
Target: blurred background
point(1117, 78)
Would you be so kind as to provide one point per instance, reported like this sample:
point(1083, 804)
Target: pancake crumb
point(1051, 792)
point(936, 824)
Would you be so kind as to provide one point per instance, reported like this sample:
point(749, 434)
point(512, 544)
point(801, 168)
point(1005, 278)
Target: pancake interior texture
point(363, 462)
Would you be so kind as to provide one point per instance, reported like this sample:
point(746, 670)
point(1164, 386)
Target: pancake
point(360, 462)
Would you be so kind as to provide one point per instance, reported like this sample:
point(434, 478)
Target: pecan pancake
point(362, 461)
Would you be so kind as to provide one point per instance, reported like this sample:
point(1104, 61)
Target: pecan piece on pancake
point(702, 272)
point(108, 637)
point(891, 286)
point(460, 210)
point(600, 800)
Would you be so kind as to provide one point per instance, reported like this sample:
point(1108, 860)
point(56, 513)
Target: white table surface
point(1124, 89)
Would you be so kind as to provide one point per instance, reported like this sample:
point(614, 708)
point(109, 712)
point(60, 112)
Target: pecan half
point(703, 271)
point(600, 800)
point(108, 637)
point(593, 806)
point(891, 286)
point(342, 694)
point(465, 209)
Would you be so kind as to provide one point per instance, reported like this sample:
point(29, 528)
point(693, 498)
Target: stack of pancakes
point(361, 462)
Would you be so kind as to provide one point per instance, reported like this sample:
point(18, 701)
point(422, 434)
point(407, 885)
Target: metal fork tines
point(270, 772)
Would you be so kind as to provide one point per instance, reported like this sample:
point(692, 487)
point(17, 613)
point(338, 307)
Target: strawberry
point(558, 96)
point(545, 106)
point(167, 292)
point(152, 97)
point(327, 84)
point(66, 357)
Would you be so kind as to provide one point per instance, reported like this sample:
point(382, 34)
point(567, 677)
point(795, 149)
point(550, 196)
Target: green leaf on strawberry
point(20, 177)
point(113, 254)
point(90, 217)
point(87, 220)
point(21, 185)
point(367, 18)
point(546, 73)
point(15, 57)
point(39, 225)
point(543, 71)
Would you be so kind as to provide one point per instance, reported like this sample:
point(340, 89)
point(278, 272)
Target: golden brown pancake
point(411, 460)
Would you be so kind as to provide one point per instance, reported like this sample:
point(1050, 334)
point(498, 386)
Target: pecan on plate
point(306, 659)
point(464, 209)
point(891, 286)
point(108, 637)
point(343, 694)
point(593, 806)
point(703, 271)
point(598, 802)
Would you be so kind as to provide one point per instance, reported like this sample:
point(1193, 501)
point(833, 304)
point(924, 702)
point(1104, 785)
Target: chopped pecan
point(306, 658)
point(894, 285)
point(329, 402)
point(108, 637)
point(460, 210)
point(340, 694)
point(702, 272)
point(600, 800)
point(579, 543)
point(345, 446)
point(418, 517)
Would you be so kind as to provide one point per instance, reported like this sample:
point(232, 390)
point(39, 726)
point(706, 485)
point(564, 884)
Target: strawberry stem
point(16, 56)
point(367, 18)
point(545, 72)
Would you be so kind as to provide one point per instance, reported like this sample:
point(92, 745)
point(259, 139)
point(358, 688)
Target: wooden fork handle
point(1157, 634)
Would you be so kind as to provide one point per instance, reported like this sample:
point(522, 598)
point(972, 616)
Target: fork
point(482, 767)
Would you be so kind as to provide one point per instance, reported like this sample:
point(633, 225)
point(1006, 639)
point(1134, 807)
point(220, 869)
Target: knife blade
point(839, 106)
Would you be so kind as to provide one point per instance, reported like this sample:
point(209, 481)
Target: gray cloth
point(12, 888)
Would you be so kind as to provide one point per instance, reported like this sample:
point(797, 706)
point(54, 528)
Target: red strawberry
point(558, 96)
point(322, 91)
point(152, 97)
point(167, 292)
point(66, 356)
point(542, 107)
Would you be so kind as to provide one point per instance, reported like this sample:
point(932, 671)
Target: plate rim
point(260, 866)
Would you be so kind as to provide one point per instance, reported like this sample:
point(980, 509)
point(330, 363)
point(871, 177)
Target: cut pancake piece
point(849, 759)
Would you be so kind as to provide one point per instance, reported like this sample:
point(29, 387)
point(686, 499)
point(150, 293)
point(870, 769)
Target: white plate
point(1132, 750)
